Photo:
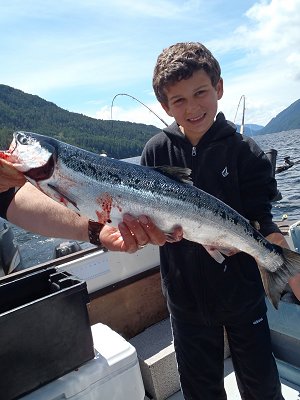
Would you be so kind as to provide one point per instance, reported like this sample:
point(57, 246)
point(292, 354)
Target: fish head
point(33, 154)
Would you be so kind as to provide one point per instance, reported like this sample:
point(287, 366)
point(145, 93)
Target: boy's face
point(193, 102)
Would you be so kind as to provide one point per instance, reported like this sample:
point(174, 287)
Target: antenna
point(134, 98)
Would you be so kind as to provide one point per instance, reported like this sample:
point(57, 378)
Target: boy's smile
point(193, 102)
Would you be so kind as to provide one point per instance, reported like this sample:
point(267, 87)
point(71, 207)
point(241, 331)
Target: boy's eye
point(178, 101)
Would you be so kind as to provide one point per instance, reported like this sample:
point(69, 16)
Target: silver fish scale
point(109, 170)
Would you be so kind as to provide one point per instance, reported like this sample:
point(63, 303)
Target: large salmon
point(104, 189)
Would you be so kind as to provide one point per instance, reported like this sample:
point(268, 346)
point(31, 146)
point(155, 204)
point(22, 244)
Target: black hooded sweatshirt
point(234, 169)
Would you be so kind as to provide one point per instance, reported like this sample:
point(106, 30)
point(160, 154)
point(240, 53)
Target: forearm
point(31, 210)
point(35, 212)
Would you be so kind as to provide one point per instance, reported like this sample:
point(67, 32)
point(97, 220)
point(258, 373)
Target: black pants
point(200, 358)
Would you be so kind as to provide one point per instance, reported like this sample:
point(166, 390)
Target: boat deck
point(161, 381)
point(289, 390)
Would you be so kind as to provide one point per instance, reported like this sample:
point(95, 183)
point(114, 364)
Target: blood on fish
point(105, 202)
point(4, 155)
point(63, 201)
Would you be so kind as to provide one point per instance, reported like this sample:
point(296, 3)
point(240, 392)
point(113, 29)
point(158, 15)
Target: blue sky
point(80, 53)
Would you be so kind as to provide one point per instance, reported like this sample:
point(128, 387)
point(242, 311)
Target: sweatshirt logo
point(257, 321)
point(225, 172)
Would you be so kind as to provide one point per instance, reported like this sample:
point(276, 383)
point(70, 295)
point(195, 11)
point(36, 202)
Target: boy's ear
point(166, 108)
point(220, 89)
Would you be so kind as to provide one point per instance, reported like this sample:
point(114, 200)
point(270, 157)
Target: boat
point(288, 163)
point(126, 306)
point(129, 320)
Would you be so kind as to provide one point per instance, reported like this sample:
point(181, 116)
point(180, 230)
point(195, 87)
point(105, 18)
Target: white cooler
point(114, 373)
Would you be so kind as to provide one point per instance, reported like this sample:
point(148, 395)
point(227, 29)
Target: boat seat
point(157, 360)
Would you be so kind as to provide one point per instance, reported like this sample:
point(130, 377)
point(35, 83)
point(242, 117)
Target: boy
point(203, 295)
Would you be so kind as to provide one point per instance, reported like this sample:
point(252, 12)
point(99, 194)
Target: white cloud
point(95, 49)
point(277, 26)
point(266, 52)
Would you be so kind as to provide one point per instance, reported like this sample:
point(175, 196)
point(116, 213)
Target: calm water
point(36, 249)
point(288, 182)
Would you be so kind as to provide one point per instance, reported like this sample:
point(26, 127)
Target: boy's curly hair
point(180, 61)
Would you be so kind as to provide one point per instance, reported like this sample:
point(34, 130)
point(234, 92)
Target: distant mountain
point(254, 127)
point(250, 129)
point(286, 120)
point(22, 111)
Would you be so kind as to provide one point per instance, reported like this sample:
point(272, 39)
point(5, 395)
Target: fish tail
point(275, 282)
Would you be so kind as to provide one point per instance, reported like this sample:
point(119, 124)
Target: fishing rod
point(243, 115)
point(139, 101)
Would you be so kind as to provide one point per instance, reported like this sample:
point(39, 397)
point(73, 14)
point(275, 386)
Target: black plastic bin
point(44, 329)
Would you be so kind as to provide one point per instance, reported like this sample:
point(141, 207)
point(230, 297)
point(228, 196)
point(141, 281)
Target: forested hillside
point(22, 111)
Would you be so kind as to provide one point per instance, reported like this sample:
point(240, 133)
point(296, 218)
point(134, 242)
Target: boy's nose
point(192, 105)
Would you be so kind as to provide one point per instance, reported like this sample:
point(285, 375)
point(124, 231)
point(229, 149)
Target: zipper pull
point(194, 152)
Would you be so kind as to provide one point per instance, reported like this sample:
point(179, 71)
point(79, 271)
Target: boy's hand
point(294, 281)
point(10, 176)
point(224, 250)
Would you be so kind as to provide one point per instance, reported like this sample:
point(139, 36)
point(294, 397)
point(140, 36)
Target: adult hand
point(10, 176)
point(134, 233)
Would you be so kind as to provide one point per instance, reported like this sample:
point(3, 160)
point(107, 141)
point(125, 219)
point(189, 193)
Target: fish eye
point(22, 139)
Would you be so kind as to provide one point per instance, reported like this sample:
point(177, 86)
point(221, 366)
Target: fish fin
point(275, 282)
point(177, 173)
point(63, 196)
point(171, 238)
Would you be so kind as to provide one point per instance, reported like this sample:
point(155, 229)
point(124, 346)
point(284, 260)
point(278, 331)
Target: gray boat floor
point(289, 390)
